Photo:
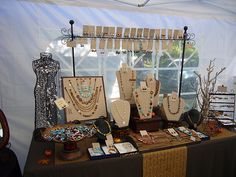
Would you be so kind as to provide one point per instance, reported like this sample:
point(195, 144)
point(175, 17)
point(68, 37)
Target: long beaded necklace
point(140, 110)
point(168, 105)
point(86, 110)
point(122, 84)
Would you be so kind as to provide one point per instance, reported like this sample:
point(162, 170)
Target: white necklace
point(121, 111)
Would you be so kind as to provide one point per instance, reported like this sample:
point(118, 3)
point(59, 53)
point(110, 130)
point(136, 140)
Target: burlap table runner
point(165, 163)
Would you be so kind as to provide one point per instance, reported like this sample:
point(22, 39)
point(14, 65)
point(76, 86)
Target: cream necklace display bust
point(120, 110)
point(173, 107)
point(155, 86)
point(126, 78)
point(143, 98)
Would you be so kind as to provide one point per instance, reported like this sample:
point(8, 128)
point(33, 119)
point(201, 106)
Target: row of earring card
point(85, 97)
point(119, 32)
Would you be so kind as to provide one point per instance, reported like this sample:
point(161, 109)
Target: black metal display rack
point(223, 103)
point(68, 35)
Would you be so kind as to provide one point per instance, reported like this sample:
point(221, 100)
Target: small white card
point(143, 133)
point(61, 103)
point(192, 138)
point(95, 145)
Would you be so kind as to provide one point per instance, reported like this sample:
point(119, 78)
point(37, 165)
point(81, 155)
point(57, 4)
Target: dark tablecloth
point(128, 166)
point(214, 158)
point(9, 166)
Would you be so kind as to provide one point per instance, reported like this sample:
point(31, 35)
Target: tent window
point(165, 64)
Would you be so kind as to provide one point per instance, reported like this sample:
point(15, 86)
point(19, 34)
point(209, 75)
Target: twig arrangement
point(206, 85)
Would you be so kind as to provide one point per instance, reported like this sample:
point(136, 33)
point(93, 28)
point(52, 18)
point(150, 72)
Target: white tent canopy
point(200, 8)
point(28, 27)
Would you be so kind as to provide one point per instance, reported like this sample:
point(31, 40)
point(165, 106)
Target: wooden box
point(151, 124)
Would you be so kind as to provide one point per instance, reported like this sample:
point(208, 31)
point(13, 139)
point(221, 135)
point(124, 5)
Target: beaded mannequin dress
point(46, 70)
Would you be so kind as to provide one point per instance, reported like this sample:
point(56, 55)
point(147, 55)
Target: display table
point(212, 158)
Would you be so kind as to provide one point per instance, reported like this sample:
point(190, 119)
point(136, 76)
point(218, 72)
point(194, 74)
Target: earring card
point(151, 33)
point(146, 32)
point(98, 31)
point(111, 31)
point(140, 32)
point(124, 44)
point(109, 43)
point(133, 32)
point(169, 33)
point(117, 44)
point(163, 33)
point(85, 30)
point(157, 34)
point(119, 32)
point(127, 32)
point(102, 43)
point(93, 44)
point(105, 31)
point(136, 45)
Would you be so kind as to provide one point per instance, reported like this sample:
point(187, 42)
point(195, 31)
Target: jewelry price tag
point(93, 43)
point(143, 133)
point(109, 143)
point(61, 103)
point(140, 32)
point(85, 30)
point(192, 138)
point(110, 138)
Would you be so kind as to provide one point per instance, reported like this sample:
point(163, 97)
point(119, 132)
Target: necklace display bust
point(155, 86)
point(120, 110)
point(126, 78)
point(173, 107)
point(143, 98)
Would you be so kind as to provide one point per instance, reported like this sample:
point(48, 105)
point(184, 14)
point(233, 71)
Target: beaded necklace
point(126, 85)
point(89, 94)
point(102, 133)
point(168, 105)
point(156, 86)
point(140, 110)
point(85, 109)
point(193, 123)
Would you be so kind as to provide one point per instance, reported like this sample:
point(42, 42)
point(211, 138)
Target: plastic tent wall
point(27, 28)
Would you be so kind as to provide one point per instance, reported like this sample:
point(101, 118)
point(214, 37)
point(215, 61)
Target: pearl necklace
point(123, 111)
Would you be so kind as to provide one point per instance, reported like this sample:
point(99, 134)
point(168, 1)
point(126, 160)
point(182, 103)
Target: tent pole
point(73, 52)
point(182, 61)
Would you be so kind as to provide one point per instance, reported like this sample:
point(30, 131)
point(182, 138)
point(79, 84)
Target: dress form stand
point(143, 98)
point(120, 110)
point(155, 86)
point(173, 107)
point(126, 78)
point(46, 70)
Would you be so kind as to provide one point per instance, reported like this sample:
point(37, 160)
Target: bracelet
point(112, 150)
